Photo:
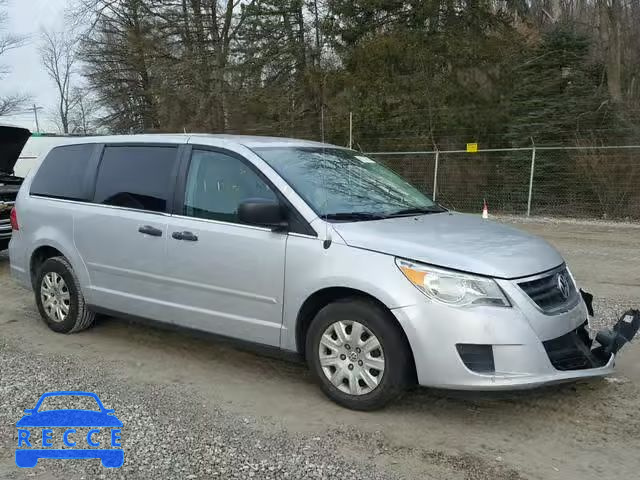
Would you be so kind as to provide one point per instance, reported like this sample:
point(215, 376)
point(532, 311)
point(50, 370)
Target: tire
point(394, 355)
point(4, 244)
point(78, 317)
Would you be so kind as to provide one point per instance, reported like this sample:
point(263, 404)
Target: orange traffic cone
point(485, 209)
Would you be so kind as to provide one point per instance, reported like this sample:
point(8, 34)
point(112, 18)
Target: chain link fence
point(579, 182)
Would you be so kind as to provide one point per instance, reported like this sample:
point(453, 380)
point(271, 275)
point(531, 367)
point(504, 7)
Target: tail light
point(14, 219)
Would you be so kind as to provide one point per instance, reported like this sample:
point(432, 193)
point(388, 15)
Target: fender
point(49, 237)
point(334, 267)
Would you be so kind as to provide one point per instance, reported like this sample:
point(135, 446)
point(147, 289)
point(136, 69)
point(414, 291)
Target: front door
point(226, 277)
point(122, 235)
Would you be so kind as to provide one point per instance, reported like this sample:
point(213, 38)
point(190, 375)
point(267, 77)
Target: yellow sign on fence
point(472, 147)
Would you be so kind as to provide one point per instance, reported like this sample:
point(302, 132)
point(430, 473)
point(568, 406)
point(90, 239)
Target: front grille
point(5, 229)
point(572, 351)
point(545, 291)
point(5, 210)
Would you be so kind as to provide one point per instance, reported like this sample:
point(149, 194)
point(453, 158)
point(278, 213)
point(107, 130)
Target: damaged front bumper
point(609, 341)
point(506, 349)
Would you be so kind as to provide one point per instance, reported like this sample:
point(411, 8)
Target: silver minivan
point(302, 246)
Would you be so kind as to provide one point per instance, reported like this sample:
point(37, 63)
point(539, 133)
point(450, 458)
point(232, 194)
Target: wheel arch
point(323, 297)
point(46, 249)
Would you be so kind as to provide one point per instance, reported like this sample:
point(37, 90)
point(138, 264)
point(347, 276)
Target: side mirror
point(262, 212)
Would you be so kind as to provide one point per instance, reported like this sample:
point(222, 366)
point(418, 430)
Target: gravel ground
point(197, 408)
point(166, 433)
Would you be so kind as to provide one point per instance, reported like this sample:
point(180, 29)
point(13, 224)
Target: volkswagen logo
point(563, 285)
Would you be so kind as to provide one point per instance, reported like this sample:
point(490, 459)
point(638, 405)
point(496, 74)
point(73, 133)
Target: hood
point(457, 241)
point(12, 141)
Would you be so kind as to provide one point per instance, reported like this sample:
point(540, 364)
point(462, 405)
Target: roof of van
point(251, 141)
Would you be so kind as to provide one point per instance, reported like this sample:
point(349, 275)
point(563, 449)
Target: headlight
point(453, 288)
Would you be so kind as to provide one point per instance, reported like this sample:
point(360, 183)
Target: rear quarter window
point(63, 173)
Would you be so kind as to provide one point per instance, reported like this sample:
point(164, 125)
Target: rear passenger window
point(137, 177)
point(62, 173)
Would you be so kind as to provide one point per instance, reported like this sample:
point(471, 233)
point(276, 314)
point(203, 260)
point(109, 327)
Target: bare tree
point(10, 102)
point(84, 117)
point(58, 54)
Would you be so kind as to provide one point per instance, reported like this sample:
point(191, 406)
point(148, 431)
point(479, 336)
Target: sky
point(29, 17)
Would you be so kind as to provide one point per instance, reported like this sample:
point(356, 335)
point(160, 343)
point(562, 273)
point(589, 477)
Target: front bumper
point(528, 347)
point(5, 229)
point(5, 221)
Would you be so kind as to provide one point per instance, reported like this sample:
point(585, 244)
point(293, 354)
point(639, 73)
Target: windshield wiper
point(354, 216)
point(417, 211)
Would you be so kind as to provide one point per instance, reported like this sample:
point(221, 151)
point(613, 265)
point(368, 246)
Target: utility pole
point(533, 167)
point(35, 114)
point(322, 122)
point(350, 129)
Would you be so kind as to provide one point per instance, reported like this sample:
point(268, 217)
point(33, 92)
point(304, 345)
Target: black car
point(12, 140)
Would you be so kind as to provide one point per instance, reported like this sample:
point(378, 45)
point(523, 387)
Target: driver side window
point(216, 185)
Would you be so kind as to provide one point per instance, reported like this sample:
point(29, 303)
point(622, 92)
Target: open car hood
point(12, 141)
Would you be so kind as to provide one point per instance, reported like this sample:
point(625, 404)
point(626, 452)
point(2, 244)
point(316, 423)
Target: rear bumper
point(19, 262)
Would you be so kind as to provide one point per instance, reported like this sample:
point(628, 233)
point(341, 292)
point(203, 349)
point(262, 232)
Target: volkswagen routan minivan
point(302, 246)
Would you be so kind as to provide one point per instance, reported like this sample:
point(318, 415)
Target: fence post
point(435, 175)
point(533, 166)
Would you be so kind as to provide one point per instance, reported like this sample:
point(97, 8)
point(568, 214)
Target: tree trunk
point(318, 54)
point(149, 117)
point(556, 10)
point(610, 36)
point(64, 120)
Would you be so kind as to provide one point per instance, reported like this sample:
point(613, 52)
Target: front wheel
point(358, 354)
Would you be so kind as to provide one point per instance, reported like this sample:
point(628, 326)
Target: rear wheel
point(59, 297)
point(358, 354)
point(4, 244)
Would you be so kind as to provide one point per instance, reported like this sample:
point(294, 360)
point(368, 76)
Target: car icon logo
point(84, 433)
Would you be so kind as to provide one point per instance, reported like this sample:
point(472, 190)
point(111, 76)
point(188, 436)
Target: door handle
point(187, 236)
point(149, 230)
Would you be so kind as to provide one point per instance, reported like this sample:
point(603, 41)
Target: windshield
point(339, 183)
